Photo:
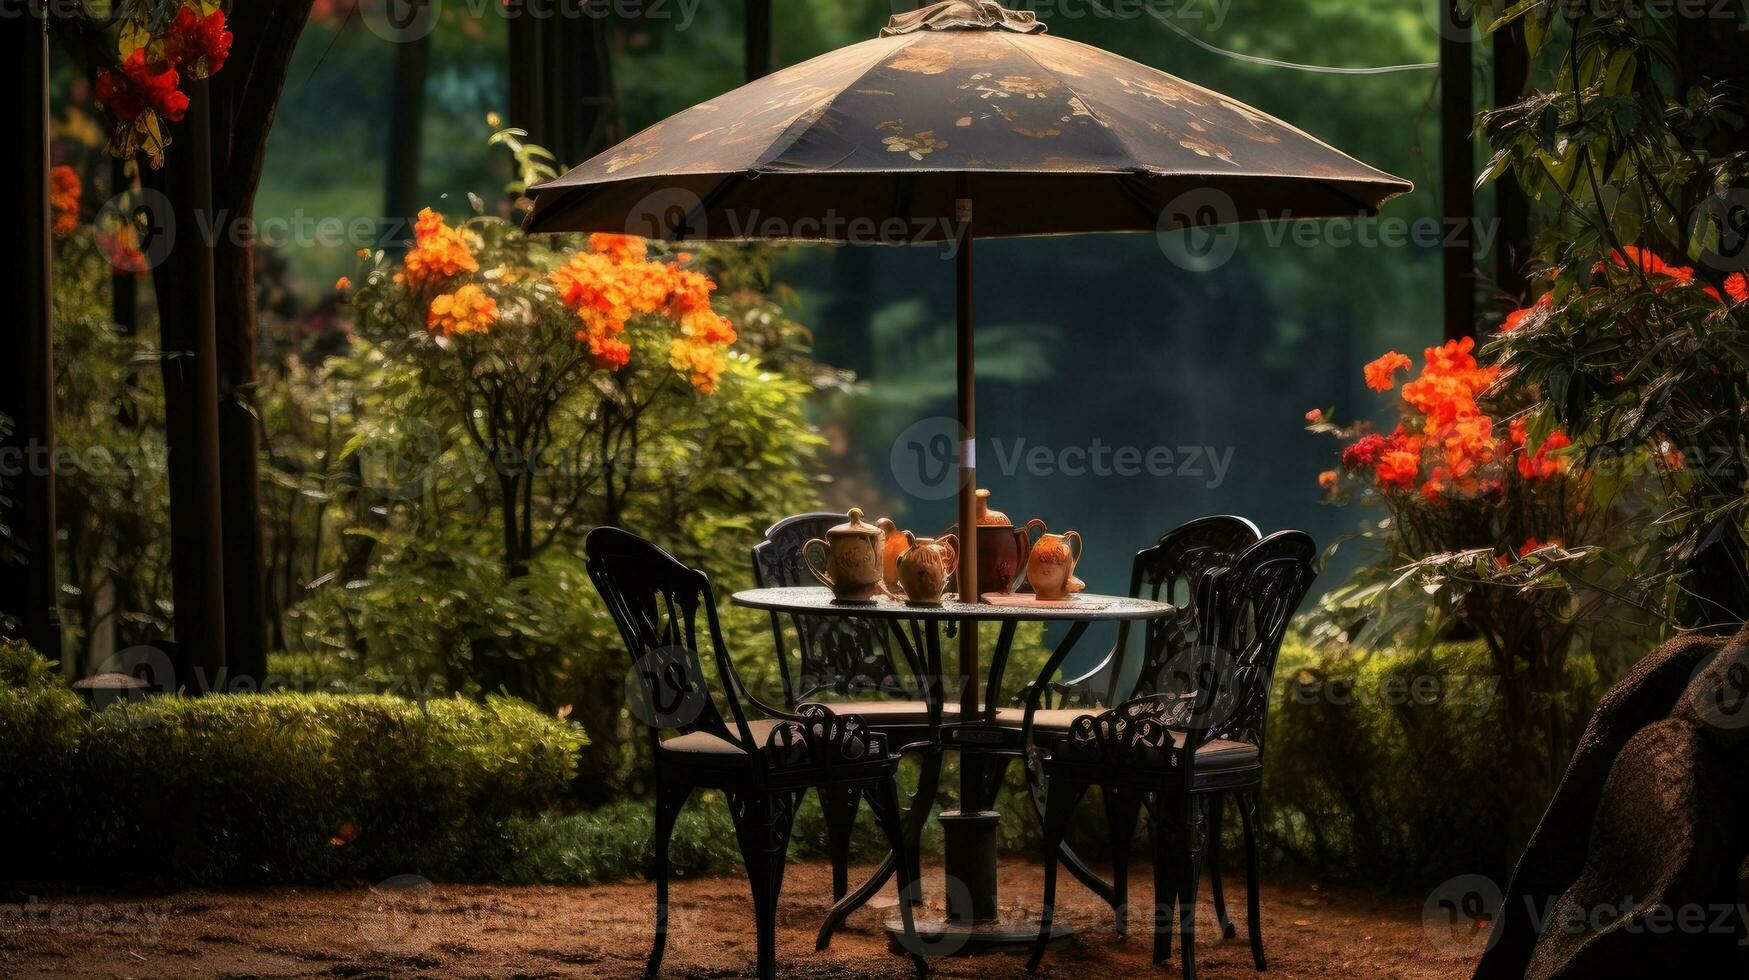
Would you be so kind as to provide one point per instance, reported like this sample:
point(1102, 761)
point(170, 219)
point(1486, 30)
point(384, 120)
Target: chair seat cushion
point(711, 750)
point(706, 749)
point(1218, 755)
point(883, 713)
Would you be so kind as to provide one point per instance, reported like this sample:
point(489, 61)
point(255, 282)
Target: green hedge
point(1389, 767)
point(278, 787)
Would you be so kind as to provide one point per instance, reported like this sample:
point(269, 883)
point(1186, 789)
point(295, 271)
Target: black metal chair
point(1186, 745)
point(846, 657)
point(762, 766)
point(1170, 571)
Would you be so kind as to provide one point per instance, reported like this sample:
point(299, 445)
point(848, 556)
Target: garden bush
point(257, 788)
point(1378, 762)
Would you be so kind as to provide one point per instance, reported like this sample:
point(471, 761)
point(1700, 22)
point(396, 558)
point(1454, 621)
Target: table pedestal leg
point(971, 864)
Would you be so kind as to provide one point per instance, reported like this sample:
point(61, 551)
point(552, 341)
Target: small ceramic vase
point(848, 561)
point(893, 544)
point(1050, 568)
point(925, 568)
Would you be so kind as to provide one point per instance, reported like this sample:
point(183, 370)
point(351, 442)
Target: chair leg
point(1217, 808)
point(883, 801)
point(669, 800)
point(1122, 808)
point(1059, 805)
point(1253, 915)
point(1191, 845)
point(762, 826)
point(922, 804)
point(838, 804)
point(1165, 891)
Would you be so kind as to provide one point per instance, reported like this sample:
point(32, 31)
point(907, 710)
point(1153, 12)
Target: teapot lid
point(856, 526)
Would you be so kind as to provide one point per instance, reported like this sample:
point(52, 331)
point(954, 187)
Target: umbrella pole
point(970, 831)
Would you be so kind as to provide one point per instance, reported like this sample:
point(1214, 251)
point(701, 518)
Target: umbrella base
point(946, 937)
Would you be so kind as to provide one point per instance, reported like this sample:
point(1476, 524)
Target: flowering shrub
point(64, 190)
point(1636, 143)
point(1491, 533)
point(501, 395)
point(1447, 453)
point(156, 51)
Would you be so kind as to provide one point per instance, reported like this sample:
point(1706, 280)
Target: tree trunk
point(246, 95)
point(406, 129)
point(191, 402)
point(757, 28)
point(1457, 171)
point(29, 592)
point(1513, 245)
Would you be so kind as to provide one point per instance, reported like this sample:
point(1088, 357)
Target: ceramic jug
point(848, 560)
point(893, 544)
point(1050, 567)
point(926, 566)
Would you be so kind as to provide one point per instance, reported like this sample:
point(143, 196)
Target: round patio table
point(984, 744)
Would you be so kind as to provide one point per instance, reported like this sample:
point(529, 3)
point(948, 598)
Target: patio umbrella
point(962, 120)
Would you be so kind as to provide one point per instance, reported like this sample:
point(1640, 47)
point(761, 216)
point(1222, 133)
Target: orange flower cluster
point(64, 190)
point(1447, 443)
point(615, 281)
point(1379, 373)
point(439, 254)
point(1650, 265)
point(467, 310)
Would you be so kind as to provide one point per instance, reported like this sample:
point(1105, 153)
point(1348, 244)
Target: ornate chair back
point(845, 655)
point(1249, 606)
point(655, 601)
point(1173, 571)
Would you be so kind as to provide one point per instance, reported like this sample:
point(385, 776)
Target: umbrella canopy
point(876, 141)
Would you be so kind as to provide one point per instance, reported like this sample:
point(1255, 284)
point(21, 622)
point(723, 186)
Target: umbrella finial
point(964, 15)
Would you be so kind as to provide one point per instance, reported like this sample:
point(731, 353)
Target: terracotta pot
point(925, 568)
point(848, 561)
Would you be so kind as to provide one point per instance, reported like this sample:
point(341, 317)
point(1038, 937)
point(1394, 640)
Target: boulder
point(1643, 832)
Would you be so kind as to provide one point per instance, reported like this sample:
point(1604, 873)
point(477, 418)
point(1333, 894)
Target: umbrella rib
point(792, 133)
point(1110, 130)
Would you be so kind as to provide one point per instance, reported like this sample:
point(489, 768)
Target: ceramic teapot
point(849, 559)
point(926, 566)
point(893, 544)
point(1002, 548)
point(1050, 567)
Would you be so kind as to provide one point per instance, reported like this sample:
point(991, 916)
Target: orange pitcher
point(1050, 568)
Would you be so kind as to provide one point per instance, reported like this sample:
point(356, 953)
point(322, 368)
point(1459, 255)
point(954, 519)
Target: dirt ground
point(409, 927)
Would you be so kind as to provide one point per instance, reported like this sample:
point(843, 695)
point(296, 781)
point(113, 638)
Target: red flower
point(127, 94)
point(1378, 372)
point(202, 42)
point(1517, 318)
point(1364, 452)
point(1398, 468)
point(1737, 287)
point(1650, 264)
